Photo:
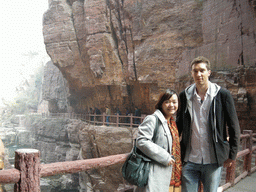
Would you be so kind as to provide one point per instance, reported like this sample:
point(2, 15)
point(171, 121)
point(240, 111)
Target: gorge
point(121, 54)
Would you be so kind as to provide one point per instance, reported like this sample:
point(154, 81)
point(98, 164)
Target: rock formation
point(121, 53)
point(55, 90)
point(68, 140)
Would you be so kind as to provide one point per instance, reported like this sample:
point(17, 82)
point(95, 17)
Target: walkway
point(248, 184)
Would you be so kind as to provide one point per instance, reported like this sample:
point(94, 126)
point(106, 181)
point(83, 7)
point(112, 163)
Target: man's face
point(200, 73)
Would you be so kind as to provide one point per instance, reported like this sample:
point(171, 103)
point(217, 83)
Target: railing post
point(94, 119)
point(27, 161)
point(248, 157)
point(230, 177)
point(104, 118)
point(131, 120)
point(117, 119)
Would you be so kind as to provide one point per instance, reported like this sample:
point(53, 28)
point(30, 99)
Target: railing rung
point(9, 176)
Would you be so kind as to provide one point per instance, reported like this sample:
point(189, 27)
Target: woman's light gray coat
point(160, 151)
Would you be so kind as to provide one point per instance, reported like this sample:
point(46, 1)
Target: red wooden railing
point(28, 170)
point(24, 176)
point(248, 153)
point(45, 170)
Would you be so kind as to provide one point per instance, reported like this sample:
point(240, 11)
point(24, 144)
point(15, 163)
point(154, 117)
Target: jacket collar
point(189, 91)
point(213, 90)
point(160, 116)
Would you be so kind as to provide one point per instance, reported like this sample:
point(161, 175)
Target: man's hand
point(228, 163)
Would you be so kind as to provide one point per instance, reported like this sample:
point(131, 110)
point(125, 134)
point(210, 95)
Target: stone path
point(248, 184)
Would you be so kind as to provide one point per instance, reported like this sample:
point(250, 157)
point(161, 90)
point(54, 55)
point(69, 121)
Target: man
point(138, 114)
point(108, 113)
point(205, 112)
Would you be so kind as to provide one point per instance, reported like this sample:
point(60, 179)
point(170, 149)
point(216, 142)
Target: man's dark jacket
point(222, 114)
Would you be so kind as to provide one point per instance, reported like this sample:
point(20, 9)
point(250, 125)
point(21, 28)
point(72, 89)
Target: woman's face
point(169, 107)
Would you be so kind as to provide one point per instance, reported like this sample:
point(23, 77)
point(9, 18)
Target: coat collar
point(189, 91)
point(213, 90)
point(160, 116)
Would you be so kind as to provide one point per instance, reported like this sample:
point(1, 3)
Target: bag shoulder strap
point(156, 128)
point(154, 135)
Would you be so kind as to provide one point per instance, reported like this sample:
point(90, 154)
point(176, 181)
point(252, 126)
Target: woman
point(162, 152)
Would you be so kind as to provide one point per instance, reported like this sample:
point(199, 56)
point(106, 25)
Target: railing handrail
point(117, 120)
point(247, 138)
point(51, 169)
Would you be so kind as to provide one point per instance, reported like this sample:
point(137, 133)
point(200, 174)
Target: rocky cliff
point(121, 53)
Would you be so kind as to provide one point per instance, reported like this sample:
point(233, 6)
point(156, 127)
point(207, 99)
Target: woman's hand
point(171, 162)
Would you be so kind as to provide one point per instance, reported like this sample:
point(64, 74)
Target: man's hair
point(201, 59)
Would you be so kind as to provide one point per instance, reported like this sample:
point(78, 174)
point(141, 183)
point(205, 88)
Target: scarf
point(176, 170)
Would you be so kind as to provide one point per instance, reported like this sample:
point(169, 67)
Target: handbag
point(136, 168)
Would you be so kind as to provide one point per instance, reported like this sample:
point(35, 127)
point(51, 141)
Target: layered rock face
point(118, 52)
point(122, 53)
point(228, 32)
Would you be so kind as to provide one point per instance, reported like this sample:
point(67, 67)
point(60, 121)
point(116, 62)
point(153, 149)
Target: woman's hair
point(163, 97)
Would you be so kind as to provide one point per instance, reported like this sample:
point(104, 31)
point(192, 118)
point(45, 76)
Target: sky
point(20, 35)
